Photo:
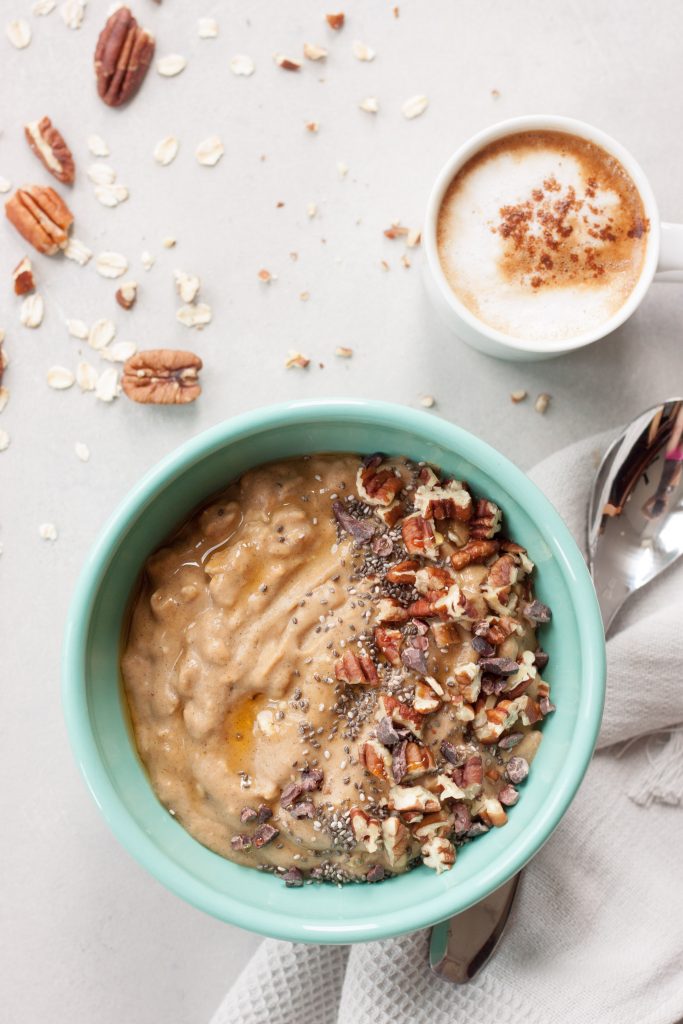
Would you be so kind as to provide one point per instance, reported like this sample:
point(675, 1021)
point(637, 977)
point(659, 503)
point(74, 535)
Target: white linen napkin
point(596, 933)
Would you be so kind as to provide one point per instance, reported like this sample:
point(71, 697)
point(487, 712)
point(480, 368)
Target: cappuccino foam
point(542, 235)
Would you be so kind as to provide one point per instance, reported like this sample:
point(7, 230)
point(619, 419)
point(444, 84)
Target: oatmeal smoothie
point(332, 669)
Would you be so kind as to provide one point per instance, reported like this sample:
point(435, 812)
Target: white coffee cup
point(664, 250)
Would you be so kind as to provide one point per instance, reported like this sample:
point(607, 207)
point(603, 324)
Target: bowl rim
point(268, 920)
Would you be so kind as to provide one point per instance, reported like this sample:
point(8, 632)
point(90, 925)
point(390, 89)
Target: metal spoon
point(635, 532)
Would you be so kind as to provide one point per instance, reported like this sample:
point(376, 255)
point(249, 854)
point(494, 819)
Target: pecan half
point(355, 670)
point(473, 551)
point(419, 537)
point(403, 572)
point(41, 216)
point(485, 522)
point(367, 830)
point(49, 146)
point(22, 275)
point(163, 376)
point(123, 54)
point(377, 485)
point(377, 759)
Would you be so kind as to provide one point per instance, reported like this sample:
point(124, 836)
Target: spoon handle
point(462, 945)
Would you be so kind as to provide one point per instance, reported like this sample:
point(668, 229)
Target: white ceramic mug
point(664, 250)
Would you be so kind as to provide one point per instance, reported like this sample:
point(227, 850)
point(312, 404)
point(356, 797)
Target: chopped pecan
point(490, 723)
point(439, 824)
point(403, 572)
point(396, 839)
point(366, 829)
point(418, 761)
point(362, 530)
point(356, 670)
point(402, 714)
point(41, 216)
point(377, 485)
point(473, 775)
point(438, 853)
point(426, 701)
point(496, 629)
point(376, 759)
point(123, 55)
point(468, 678)
point(413, 798)
point(425, 607)
point(162, 376)
point(22, 275)
point(419, 537)
point(502, 576)
point(474, 551)
point(445, 633)
point(51, 149)
point(448, 501)
point(493, 812)
point(389, 643)
point(390, 514)
point(432, 577)
point(455, 605)
point(388, 610)
point(486, 520)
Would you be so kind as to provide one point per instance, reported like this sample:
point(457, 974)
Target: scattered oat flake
point(32, 310)
point(495, 94)
point(312, 126)
point(342, 169)
point(518, 396)
point(43, 7)
point(111, 264)
point(369, 105)
point(166, 150)
point(168, 242)
point(101, 334)
point(241, 64)
point(384, 265)
point(77, 329)
point(97, 146)
point(59, 378)
point(78, 252)
point(107, 386)
point(4, 440)
point(19, 33)
point(542, 402)
point(5, 185)
point(48, 531)
point(101, 174)
point(86, 376)
point(414, 238)
point(194, 315)
point(210, 151)
point(265, 276)
point(296, 359)
point(305, 296)
point(405, 260)
point(415, 106)
point(343, 352)
point(82, 451)
point(313, 52)
point(286, 63)
point(111, 195)
point(428, 401)
point(187, 285)
point(207, 28)
point(172, 64)
point(396, 230)
point(4, 397)
point(363, 52)
point(73, 12)
point(119, 351)
point(147, 260)
point(311, 210)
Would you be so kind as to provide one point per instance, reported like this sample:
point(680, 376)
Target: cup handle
point(670, 265)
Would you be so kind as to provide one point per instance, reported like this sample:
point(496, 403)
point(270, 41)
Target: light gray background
point(87, 935)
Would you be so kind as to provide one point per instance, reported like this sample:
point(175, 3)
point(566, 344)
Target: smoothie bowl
point(344, 692)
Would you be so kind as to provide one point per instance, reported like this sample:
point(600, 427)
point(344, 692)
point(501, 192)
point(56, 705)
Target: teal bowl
point(97, 722)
